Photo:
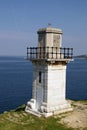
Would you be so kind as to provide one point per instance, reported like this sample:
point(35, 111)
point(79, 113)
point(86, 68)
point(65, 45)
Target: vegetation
point(20, 120)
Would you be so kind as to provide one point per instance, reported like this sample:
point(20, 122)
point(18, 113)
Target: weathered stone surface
point(49, 77)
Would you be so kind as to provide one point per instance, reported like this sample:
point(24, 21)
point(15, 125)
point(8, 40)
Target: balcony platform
point(52, 54)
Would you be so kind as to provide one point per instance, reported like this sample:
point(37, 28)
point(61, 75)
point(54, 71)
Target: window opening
point(39, 77)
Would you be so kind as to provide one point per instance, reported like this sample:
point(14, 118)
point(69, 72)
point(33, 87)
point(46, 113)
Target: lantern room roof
point(49, 30)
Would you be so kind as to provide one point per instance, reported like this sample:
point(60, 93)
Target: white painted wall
point(52, 86)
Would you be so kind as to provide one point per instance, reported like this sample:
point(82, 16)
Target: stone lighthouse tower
point(49, 62)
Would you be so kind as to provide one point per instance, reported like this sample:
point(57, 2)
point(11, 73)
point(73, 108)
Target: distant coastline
point(81, 56)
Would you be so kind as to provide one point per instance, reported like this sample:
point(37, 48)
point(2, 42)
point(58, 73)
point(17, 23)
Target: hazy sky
point(20, 20)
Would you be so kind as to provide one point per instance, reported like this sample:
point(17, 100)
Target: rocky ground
point(78, 117)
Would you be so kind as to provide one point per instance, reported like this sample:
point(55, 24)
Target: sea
point(16, 81)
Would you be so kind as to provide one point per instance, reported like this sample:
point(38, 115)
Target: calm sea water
point(16, 81)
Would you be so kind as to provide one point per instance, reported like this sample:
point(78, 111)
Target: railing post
point(30, 53)
point(36, 52)
point(71, 52)
point(44, 55)
point(49, 52)
point(52, 52)
point(67, 52)
point(27, 53)
point(60, 54)
point(40, 52)
point(64, 53)
point(56, 52)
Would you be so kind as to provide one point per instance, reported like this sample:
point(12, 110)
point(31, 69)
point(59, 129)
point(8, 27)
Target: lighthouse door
point(39, 96)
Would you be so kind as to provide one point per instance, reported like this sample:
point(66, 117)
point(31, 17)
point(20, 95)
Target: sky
point(20, 20)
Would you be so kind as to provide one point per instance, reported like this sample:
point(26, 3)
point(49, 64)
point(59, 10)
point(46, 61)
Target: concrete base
point(47, 111)
point(57, 109)
point(36, 113)
point(56, 112)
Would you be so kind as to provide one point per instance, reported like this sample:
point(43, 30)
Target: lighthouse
point(49, 61)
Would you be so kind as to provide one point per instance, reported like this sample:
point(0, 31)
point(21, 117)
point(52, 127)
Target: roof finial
point(49, 25)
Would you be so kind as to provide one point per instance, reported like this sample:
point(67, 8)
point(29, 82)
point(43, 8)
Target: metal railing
point(35, 53)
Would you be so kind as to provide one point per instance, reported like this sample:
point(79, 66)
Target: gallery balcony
point(49, 53)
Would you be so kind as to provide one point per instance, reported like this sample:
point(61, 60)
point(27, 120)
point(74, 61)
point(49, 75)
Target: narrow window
point(39, 77)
